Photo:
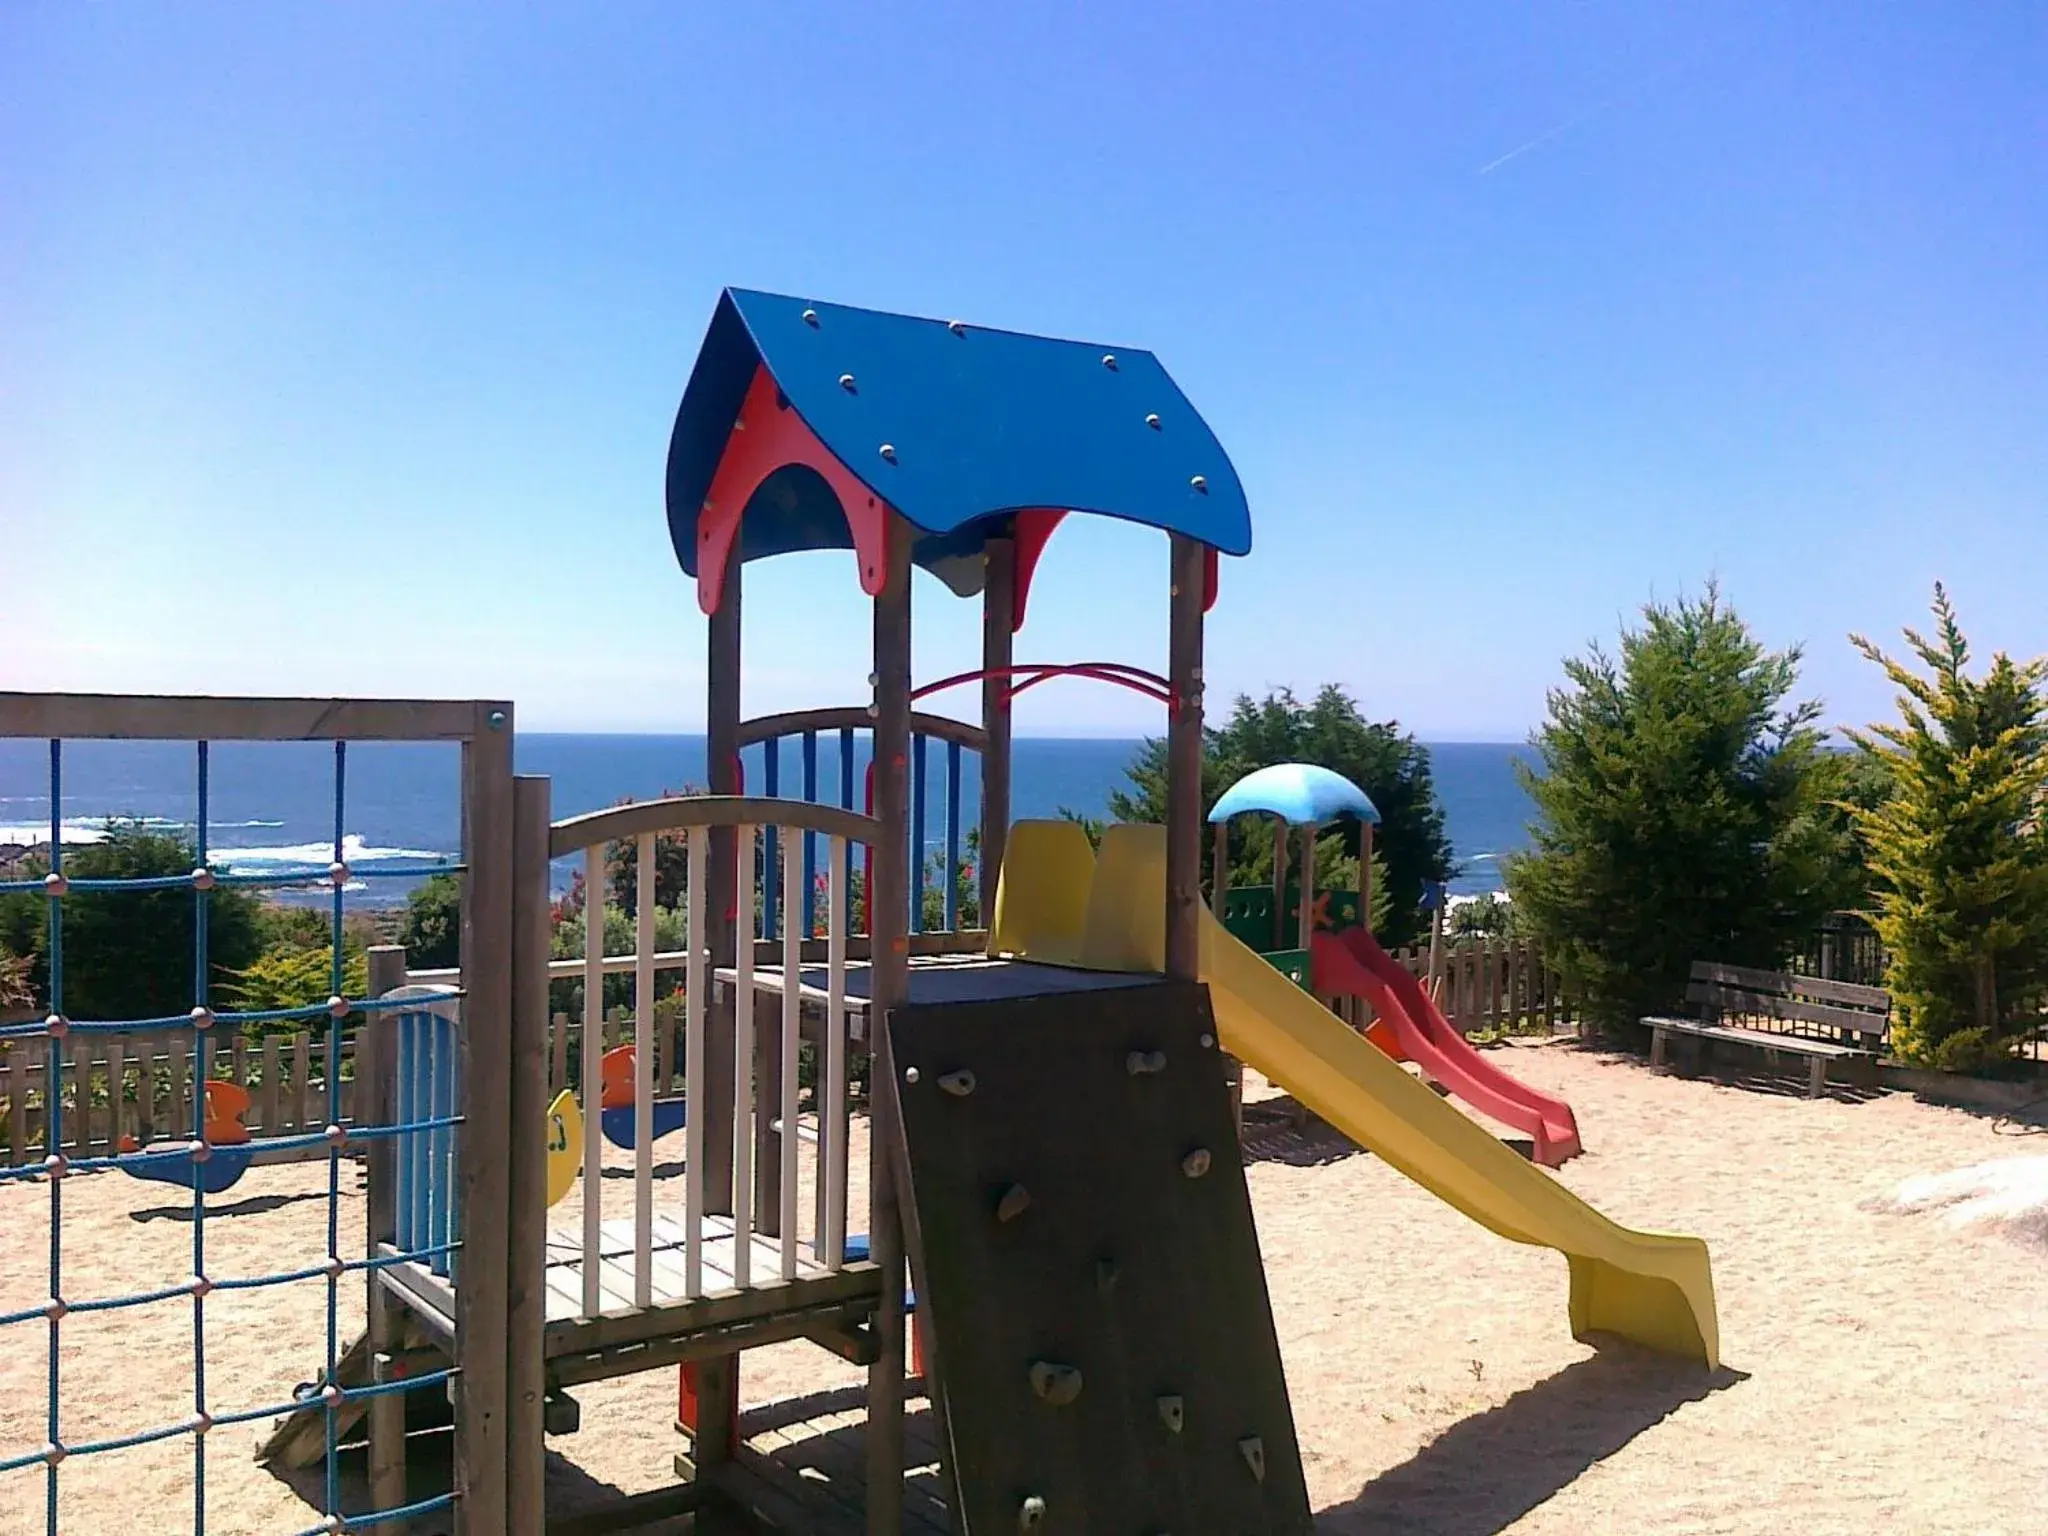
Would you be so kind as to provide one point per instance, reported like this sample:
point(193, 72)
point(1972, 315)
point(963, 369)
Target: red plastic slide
point(1410, 1027)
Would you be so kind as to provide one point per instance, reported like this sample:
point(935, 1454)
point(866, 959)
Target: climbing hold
point(1196, 1163)
point(1059, 1385)
point(1105, 1275)
point(959, 1084)
point(846, 382)
point(1031, 1513)
point(1144, 1063)
point(889, 452)
point(1199, 482)
point(1173, 1412)
point(1253, 1450)
point(910, 1076)
point(1152, 421)
point(1013, 1204)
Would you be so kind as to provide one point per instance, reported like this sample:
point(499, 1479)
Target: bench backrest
point(1720, 990)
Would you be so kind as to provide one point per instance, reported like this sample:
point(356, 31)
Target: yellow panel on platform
point(565, 1144)
point(1654, 1288)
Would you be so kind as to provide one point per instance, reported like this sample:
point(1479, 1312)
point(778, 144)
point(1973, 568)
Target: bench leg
point(1657, 1039)
point(1816, 1077)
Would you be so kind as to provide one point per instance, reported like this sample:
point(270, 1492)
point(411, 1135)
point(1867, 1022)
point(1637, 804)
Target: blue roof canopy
point(979, 424)
point(1301, 794)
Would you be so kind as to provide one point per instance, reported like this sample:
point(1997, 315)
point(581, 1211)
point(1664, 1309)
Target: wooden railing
point(806, 726)
point(767, 1100)
point(286, 1077)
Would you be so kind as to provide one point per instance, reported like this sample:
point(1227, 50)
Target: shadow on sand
point(1486, 1472)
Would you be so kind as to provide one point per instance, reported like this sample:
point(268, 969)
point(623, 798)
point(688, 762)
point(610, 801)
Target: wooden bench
point(1854, 1017)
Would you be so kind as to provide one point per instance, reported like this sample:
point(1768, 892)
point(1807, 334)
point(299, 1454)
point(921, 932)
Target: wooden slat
point(744, 1108)
point(90, 716)
point(643, 1073)
point(78, 1122)
point(267, 1096)
point(558, 1053)
point(177, 1116)
point(1796, 1045)
point(14, 1089)
point(302, 1080)
point(1728, 999)
point(834, 1122)
point(694, 1012)
point(593, 1070)
point(1819, 988)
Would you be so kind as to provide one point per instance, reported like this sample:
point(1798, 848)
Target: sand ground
point(1885, 1373)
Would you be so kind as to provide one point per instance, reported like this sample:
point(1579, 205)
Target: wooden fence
point(286, 1077)
point(1490, 986)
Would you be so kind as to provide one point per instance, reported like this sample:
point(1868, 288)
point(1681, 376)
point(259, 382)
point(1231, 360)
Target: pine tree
point(1684, 812)
point(1959, 850)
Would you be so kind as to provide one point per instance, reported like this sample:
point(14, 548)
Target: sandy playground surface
point(1886, 1372)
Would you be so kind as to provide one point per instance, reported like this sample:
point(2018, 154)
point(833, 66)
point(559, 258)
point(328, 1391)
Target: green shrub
point(1685, 812)
point(1959, 849)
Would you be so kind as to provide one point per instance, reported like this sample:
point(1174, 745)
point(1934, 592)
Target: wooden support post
point(1184, 762)
point(1308, 885)
point(484, 1137)
point(527, 1224)
point(998, 621)
point(1436, 948)
point(1280, 831)
point(718, 1379)
point(1219, 894)
point(1365, 876)
point(887, 922)
point(385, 1316)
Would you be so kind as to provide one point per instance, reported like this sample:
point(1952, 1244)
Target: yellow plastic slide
point(1650, 1287)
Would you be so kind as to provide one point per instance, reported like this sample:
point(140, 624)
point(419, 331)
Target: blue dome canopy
point(958, 427)
point(1301, 794)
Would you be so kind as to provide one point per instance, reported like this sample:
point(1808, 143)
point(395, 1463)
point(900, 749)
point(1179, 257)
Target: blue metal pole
point(953, 837)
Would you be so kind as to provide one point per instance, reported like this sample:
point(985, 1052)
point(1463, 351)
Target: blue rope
point(53, 1138)
point(332, 1271)
point(953, 839)
point(37, 1027)
point(276, 879)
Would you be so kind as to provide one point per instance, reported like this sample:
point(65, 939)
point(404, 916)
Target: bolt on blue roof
point(1301, 794)
point(955, 426)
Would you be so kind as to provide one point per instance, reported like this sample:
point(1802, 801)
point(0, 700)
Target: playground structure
point(1342, 959)
point(1051, 1159)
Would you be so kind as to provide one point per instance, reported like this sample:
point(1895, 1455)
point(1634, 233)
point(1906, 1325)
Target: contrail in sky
point(1574, 120)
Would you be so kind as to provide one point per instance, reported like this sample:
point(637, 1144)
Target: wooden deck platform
point(831, 1306)
point(801, 1466)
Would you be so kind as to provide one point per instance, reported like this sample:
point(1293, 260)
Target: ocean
point(272, 805)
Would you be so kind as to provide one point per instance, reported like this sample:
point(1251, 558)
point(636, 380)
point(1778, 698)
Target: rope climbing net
point(187, 1161)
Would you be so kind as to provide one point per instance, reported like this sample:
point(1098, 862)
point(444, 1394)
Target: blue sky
point(339, 345)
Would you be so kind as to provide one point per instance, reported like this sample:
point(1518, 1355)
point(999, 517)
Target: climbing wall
point(1091, 1277)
